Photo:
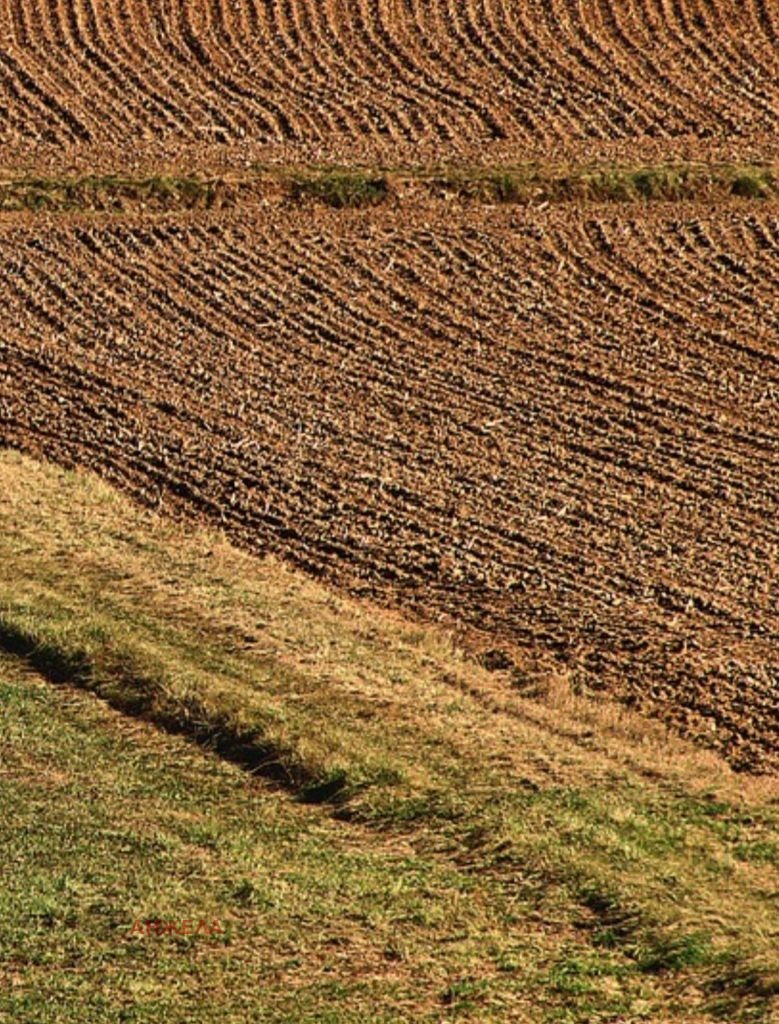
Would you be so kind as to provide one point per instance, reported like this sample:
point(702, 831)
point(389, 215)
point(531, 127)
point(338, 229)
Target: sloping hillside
point(558, 427)
point(470, 851)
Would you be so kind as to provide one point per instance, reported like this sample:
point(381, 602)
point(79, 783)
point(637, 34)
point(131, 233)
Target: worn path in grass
point(566, 854)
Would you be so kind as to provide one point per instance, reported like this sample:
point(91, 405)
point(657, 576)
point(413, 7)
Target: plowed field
point(560, 427)
point(349, 76)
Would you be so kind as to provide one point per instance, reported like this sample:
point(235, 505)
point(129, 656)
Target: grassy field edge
point(344, 187)
point(668, 871)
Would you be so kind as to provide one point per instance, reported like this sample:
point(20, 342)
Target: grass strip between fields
point(658, 860)
point(357, 187)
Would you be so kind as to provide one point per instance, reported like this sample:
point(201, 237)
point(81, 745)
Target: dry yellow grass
point(653, 850)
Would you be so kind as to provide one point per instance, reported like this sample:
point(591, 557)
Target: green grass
point(608, 183)
point(754, 182)
point(340, 189)
point(474, 861)
point(107, 824)
point(343, 187)
point(106, 193)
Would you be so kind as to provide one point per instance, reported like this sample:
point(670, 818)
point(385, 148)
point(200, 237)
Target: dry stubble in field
point(556, 427)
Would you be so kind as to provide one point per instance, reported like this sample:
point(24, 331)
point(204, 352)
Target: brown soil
point(556, 427)
point(559, 427)
point(123, 81)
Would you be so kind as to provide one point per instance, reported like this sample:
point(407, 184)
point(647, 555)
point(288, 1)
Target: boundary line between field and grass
point(343, 187)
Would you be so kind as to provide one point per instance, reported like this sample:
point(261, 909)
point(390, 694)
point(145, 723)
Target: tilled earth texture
point(559, 427)
point(423, 78)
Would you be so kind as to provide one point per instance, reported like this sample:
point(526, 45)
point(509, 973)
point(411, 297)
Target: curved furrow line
point(228, 109)
point(675, 59)
point(676, 103)
point(667, 310)
point(762, 242)
point(471, 389)
point(725, 311)
point(98, 299)
point(650, 39)
point(26, 301)
point(379, 363)
point(719, 446)
point(741, 75)
point(369, 281)
point(693, 56)
point(309, 330)
point(728, 286)
point(556, 89)
point(675, 277)
point(770, 230)
point(652, 365)
point(70, 385)
point(238, 35)
point(385, 106)
point(661, 114)
point(114, 31)
point(11, 121)
point(626, 101)
point(354, 112)
point(122, 94)
point(379, 302)
point(14, 26)
point(93, 76)
point(507, 300)
point(316, 94)
point(116, 253)
point(749, 448)
point(247, 278)
point(754, 41)
point(193, 66)
point(442, 109)
point(581, 259)
point(286, 73)
point(757, 240)
point(59, 299)
point(333, 325)
point(764, 17)
point(39, 40)
point(389, 70)
point(236, 310)
point(741, 29)
point(289, 15)
point(204, 29)
point(443, 82)
point(39, 105)
point(578, 80)
point(493, 505)
point(349, 39)
point(470, 49)
point(147, 32)
point(757, 262)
